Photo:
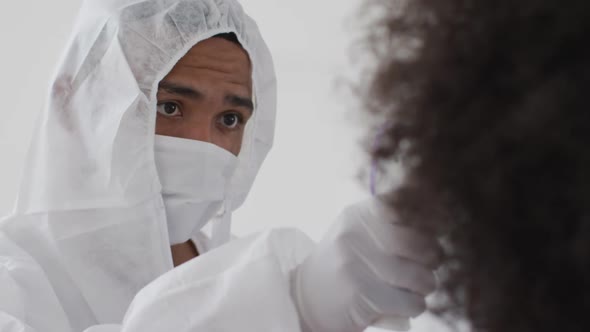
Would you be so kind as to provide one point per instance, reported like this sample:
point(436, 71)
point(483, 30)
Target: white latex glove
point(365, 269)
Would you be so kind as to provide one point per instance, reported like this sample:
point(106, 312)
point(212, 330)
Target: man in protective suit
point(107, 209)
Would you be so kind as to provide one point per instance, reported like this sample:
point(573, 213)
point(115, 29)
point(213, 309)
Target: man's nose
point(200, 131)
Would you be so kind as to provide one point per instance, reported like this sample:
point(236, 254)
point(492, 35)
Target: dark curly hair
point(486, 106)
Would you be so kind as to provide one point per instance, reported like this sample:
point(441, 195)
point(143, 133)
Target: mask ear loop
point(221, 228)
point(221, 223)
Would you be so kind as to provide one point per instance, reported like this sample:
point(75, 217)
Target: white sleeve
point(10, 323)
point(242, 286)
point(28, 302)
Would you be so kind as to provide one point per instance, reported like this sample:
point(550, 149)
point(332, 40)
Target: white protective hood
point(93, 147)
point(89, 210)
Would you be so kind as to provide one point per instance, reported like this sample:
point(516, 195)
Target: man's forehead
point(216, 57)
point(218, 51)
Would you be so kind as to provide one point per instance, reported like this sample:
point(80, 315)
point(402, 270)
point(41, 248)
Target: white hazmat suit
point(88, 245)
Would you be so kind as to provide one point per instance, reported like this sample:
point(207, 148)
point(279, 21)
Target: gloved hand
point(366, 268)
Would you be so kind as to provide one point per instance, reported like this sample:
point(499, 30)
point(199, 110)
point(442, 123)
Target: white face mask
point(195, 178)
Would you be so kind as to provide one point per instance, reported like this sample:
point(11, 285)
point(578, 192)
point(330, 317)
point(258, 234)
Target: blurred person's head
point(487, 107)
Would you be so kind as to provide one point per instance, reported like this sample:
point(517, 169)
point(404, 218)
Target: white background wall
point(311, 172)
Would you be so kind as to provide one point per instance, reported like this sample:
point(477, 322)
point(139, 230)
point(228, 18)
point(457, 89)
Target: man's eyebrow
point(238, 101)
point(182, 90)
point(186, 91)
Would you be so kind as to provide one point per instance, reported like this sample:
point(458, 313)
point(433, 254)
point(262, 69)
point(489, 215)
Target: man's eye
point(231, 120)
point(169, 109)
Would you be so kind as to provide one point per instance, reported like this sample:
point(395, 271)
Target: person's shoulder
point(18, 238)
point(31, 299)
point(5, 219)
point(289, 245)
point(9, 247)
